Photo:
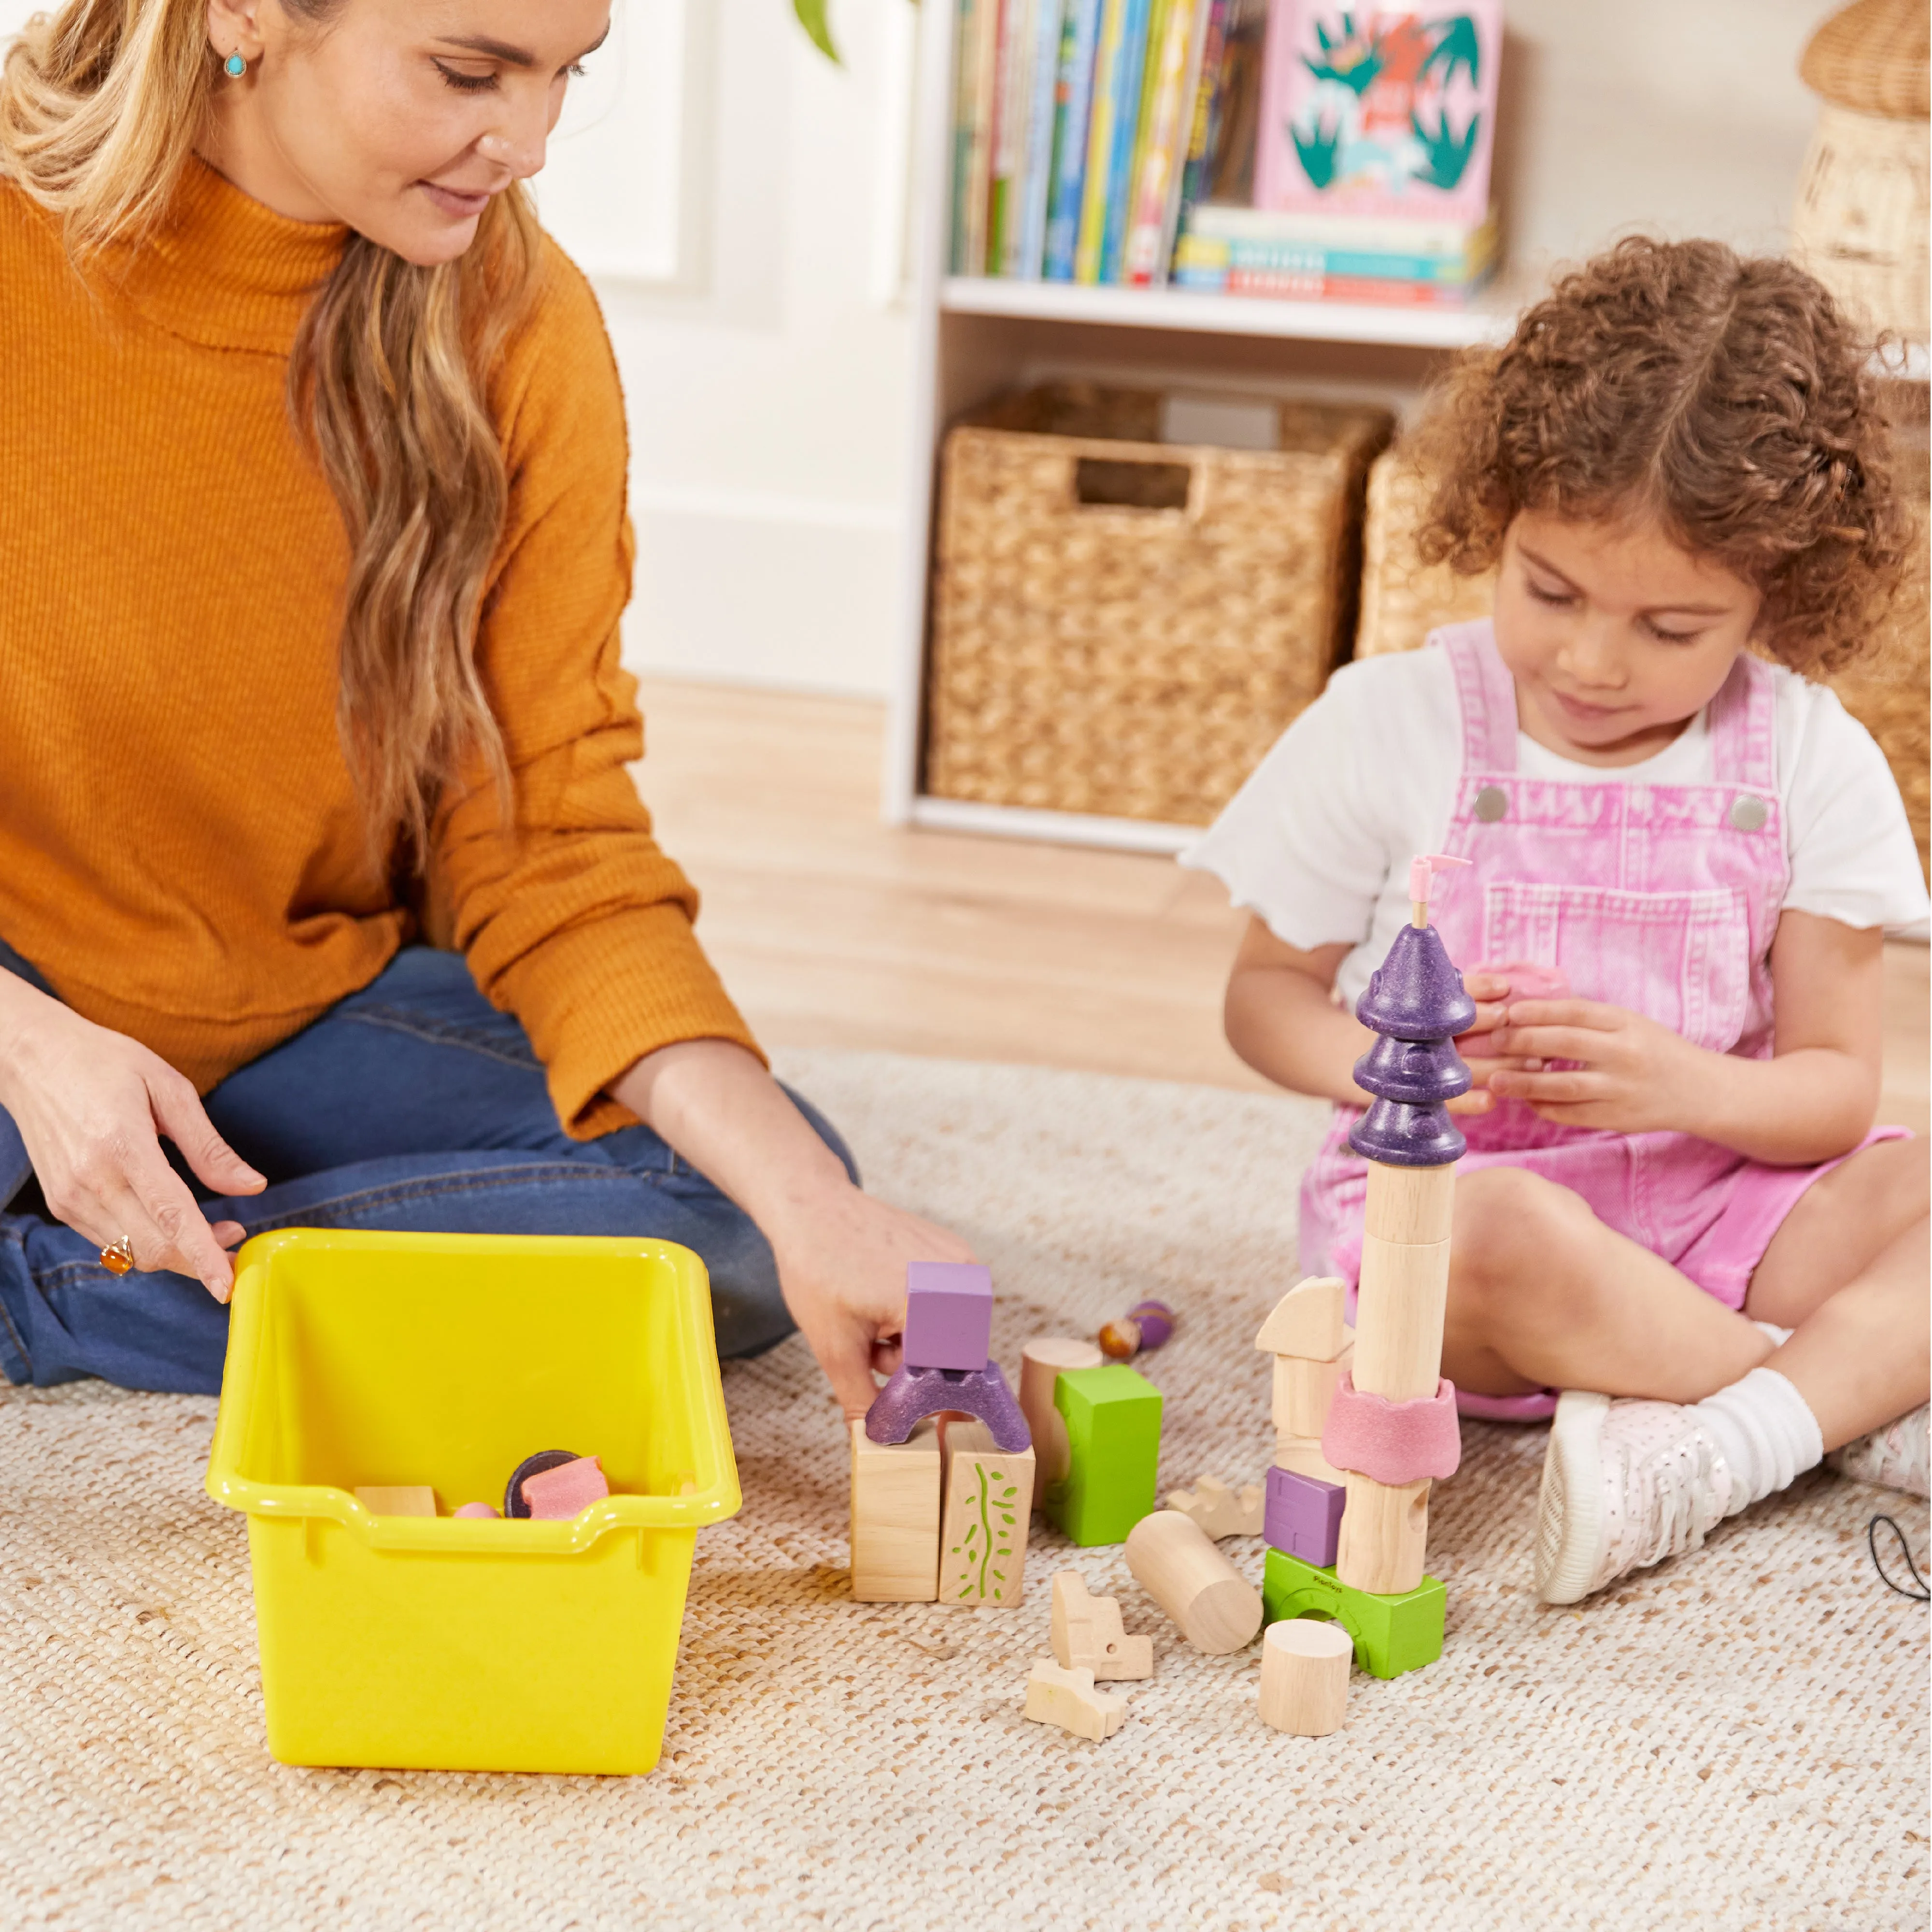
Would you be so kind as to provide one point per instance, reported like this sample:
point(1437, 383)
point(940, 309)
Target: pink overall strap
point(1742, 722)
point(1486, 693)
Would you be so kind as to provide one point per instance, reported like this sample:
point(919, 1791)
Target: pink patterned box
point(1377, 112)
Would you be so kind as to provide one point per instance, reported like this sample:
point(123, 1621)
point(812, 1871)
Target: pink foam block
point(559, 1493)
point(477, 1510)
point(949, 1321)
point(1393, 1441)
point(1528, 981)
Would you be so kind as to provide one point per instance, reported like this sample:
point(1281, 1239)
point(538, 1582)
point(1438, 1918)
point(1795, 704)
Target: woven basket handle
point(1170, 484)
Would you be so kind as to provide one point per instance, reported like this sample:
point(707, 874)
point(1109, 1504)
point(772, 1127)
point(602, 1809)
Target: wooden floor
point(832, 929)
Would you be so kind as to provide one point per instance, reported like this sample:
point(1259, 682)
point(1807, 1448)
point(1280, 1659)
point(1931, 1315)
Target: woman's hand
point(1629, 1074)
point(90, 1105)
point(842, 1259)
point(1478, 1046)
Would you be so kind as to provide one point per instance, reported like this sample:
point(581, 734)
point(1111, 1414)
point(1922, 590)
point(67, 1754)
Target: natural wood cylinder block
point(1041, 1362)
point(1305, 1676)
point(1384, 1535)
point(1174, 1560)
point(1404, 1288)
point(1410, 1204)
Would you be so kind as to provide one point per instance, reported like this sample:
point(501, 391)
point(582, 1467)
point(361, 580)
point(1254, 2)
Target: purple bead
point(1155, 1320)
point(913, 1394)
point(1416, 1072)
point(1417, 993)
point(949, 1321)
point(1302, 1516)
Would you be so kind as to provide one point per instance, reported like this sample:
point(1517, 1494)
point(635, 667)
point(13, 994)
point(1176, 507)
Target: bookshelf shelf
point(1489, 319)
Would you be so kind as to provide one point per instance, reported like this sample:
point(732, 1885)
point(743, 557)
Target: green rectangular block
point(1113, 1429)
point(1392, 1634)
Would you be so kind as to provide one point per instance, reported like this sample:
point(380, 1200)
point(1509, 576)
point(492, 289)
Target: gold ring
point(118, 1257)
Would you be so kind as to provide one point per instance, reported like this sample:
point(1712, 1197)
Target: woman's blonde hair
point(101, 104)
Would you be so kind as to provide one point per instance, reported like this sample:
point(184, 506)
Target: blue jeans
point(413, 1105)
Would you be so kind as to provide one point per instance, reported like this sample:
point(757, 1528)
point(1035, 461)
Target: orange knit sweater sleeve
point(570, 915)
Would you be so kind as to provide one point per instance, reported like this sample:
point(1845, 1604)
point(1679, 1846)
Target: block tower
point(1390, 1426)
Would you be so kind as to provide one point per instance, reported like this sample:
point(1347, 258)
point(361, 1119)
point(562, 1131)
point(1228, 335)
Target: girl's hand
point(842, 1259)
point(1478, 1045)
point(90, 1105)
point(1630, 1075)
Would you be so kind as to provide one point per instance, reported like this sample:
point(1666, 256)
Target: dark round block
point(1417, 993)
point(513, 1503)
point(1399, 1135)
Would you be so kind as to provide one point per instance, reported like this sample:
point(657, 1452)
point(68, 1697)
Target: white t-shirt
point(1317, 841)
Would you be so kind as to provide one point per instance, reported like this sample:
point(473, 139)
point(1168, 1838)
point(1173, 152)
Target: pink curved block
point(559, 1494)
point(1393, 1441)
point(478, 1510)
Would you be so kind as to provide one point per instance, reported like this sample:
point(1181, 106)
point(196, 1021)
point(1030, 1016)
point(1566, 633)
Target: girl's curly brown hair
point(1727, 396)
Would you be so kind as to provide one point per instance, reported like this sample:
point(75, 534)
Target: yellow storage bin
point(357, 1359)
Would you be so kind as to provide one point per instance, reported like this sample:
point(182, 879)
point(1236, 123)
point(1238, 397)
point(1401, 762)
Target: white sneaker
point(1894, 1457)
point(1625, 1484)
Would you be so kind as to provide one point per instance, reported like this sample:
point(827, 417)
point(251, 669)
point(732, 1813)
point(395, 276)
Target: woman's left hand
point(842, 1259)
point(1627, 1074)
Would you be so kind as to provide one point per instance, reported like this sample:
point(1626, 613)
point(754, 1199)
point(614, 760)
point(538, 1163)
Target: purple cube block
point(1302, 1516)
point(949, 1321)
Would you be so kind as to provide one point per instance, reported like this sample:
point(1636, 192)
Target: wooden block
point(1306, 1321)
point(1218, 1609)
point(1392, 1634)
point(1067, 1698)
point(1384, 1535)
point(1302, 1454)
point(1218, 1509)
point(1086, 1633)
point(988, 1510)
point(1041, 1362)
point(1410, 1204)
point(1398, 1310)
point(397, 1499)
point(896, 1491)
point(1303, 1390)
point(1305, 1676)
point(1113, 1432)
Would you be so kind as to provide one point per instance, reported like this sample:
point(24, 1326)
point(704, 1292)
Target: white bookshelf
point(1573, 177)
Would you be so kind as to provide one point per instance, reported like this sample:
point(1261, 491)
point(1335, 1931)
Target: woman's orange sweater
point(180, 852)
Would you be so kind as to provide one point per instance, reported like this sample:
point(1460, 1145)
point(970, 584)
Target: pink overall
point(1662, 899)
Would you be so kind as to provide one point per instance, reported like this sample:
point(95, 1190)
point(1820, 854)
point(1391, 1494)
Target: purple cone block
point(1416, 1001)
point(913, 1394)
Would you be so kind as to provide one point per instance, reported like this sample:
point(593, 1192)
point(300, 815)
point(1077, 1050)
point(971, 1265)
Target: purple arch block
point(913, 1394)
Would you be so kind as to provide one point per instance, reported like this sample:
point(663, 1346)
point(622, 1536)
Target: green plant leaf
point(811, 16)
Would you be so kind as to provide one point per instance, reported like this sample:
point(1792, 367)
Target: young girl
point(1684, 858)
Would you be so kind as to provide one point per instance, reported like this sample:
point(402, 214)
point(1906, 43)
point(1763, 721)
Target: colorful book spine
point(1126, 126)
point(1100, 141)
point(985, 74)
point(965, 44)
point(1203, 127)
point(1073, 104)
point(1162, 151)
point(1289, 285)
point(1010, 135)
point(1043, 78)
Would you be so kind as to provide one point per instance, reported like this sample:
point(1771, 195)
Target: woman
point(313, 547)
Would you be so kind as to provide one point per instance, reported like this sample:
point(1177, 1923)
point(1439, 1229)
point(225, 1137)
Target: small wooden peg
point(1067, 1698)
point(1086, 1633)
point(1305, 1676)
point(1217, 1608)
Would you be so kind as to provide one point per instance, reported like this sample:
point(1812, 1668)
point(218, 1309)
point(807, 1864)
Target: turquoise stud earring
point(234, 66)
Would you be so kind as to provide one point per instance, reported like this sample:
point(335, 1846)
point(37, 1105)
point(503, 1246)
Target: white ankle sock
point(1765, 1431)
point(1779, 1336)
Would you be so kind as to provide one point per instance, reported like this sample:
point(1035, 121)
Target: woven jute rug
point(1736, 1740)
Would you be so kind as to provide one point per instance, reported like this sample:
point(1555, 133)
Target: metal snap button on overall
point(1749, 814)
point(1491, 801)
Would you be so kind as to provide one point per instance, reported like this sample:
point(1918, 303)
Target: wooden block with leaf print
point(982, 1527)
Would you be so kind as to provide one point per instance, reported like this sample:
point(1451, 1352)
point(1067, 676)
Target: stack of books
point(1297, 149)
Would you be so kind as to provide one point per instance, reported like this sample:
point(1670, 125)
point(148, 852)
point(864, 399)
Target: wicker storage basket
point(1123, 626)
point(1403, 599)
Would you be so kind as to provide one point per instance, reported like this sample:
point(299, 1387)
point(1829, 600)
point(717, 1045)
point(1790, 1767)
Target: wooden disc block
point(1305, 1676)
point(1174, 1560)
